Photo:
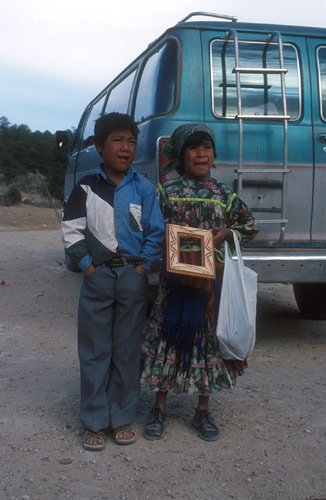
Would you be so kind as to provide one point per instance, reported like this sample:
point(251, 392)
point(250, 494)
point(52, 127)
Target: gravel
point(272, 425)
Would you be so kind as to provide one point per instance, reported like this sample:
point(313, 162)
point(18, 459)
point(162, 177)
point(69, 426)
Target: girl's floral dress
point(203, 204)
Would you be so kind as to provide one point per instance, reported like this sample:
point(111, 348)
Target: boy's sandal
point(99, 436)
point(123, 440)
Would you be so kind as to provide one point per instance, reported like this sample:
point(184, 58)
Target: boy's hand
point(90, 270)
point(139, 269)
point(221, 234)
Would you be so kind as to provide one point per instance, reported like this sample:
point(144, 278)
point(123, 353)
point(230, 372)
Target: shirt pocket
point(135, 217)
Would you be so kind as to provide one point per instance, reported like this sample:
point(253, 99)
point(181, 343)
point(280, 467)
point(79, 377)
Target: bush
point(13, 196)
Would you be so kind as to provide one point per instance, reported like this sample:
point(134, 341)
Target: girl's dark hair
point(194, 139)
point(113, 122)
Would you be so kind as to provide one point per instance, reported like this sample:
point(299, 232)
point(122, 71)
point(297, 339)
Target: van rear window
point(321, 60)
point(260, 94)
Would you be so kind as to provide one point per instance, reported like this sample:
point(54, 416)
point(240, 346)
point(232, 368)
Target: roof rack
point(209, 14)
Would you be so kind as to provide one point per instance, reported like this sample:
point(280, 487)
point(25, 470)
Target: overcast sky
point(56, 56)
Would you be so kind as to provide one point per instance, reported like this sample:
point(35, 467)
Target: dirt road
point(272, 425)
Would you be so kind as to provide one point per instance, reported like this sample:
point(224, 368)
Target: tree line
point(23, 151)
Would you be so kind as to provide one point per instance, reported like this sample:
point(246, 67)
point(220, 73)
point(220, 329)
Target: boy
point(113, 229)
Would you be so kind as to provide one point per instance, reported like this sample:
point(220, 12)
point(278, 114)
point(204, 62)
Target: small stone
point(128, 459)
point(65, 461)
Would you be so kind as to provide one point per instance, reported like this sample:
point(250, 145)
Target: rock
point(30, 183)
point(33, 190)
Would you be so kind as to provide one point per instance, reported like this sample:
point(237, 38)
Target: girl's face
point(198, 160)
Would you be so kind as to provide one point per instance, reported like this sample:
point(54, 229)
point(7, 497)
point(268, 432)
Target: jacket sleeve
point(239, 217)
point(73, 228)
point(164, 204)
point(153, 227)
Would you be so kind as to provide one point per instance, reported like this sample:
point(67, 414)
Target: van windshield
point(260, 94)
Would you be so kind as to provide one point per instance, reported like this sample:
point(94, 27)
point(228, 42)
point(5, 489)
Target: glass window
point(119, 95)
point(321, 59)
point(88, 132)
point(157, 88)
point(260, 94)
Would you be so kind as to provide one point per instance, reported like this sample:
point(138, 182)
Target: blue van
point(262, 88)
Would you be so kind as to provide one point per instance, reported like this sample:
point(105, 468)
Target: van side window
point(156, 93)
point(119, 95)
point(321, 61)
point(260, 94)
point(88, 131)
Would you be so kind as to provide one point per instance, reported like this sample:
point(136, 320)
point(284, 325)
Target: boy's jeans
point(112, 307)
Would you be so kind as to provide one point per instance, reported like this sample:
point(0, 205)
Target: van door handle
point(322, 139)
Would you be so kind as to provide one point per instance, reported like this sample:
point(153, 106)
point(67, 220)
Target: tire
point(311, 299)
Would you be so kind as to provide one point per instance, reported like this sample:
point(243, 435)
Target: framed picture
point(174, 235)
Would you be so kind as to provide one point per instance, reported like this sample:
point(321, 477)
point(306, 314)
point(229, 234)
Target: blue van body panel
point(301, 256)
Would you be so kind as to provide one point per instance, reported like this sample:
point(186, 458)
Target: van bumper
point(287, 266)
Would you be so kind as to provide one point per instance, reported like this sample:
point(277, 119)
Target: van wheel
point(311, 299)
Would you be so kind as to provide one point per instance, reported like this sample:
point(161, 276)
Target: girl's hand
point(221, 234)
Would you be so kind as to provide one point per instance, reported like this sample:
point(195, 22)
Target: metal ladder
point(284, 117)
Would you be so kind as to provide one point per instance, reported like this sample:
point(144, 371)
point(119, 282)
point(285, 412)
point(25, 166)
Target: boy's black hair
point(113, 122)
point(194, 139)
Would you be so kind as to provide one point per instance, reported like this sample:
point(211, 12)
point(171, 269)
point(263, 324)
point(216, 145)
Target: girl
point(180, 350)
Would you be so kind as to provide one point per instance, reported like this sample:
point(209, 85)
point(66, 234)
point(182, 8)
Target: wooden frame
point(173, 235)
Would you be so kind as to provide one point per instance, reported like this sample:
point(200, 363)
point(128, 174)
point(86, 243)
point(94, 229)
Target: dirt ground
point(272, 425)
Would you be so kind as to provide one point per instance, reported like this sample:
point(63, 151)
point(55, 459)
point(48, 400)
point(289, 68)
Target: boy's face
point(118, 151)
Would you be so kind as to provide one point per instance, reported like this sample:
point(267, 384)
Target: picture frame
point(174, 234)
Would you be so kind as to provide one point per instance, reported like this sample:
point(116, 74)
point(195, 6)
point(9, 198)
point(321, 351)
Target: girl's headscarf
point(174, 146)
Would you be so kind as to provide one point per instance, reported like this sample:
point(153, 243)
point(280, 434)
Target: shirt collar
point(100, 173)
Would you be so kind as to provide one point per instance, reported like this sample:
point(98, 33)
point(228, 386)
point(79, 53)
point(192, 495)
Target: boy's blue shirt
point(102, 220)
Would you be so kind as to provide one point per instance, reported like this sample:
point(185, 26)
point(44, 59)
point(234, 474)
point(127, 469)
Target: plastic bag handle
point(237, 248)
point(239, 258)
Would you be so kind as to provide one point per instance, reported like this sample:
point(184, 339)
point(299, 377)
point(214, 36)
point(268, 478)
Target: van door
point(262, 139)
point(317, 57)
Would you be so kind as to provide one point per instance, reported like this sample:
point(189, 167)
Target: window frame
point(88, 115)
point(320, 90)
point(262, 42)
point(109, 89)
point(142, 66)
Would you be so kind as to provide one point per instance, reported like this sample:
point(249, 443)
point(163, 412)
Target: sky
point(56, 56)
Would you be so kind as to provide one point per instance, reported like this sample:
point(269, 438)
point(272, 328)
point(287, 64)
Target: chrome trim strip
point(287, 258)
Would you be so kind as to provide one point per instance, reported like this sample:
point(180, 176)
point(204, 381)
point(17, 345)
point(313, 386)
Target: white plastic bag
point(236, 325)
